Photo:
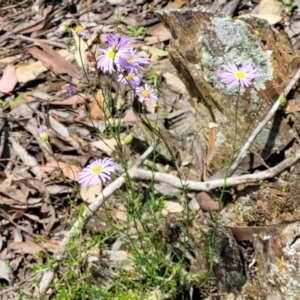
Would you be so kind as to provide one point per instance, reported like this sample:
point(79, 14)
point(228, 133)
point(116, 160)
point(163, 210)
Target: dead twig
point(13, 6)
point(262, 124)
point(39, 41)
point(28, 159)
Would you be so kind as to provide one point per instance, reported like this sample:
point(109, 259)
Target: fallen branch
point(217, 183)
point(262, 124)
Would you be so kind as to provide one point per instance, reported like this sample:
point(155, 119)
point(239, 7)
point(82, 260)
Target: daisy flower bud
point(212, 125)
point(43, 134)
point(283, 101)
point(62, 29)
point(128, 139)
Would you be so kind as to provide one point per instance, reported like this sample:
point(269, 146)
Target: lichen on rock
point(240, 46)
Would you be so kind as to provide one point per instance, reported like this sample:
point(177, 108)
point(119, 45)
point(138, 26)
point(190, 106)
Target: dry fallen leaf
point(69, 170)
point(13, 193)
point(106, 145)
point(23, 98)
point(48, 215)
point(176, 4)
point(119, 214)
point(174, 83)
point(5, 271)
point(271, 18)
point(98, 107)
point(70, 101)
point(52, 60)
point(31, 70)
point(7, 60)
point(150, 106)
point(291, 106)
point(27, 247)
point(159, 34)
point(28, 159)
point(90, 194)
point(130, 116)
point(8, 80)
point(171, 207)
point(211, 144)
point(269, 10)
point(267, 7)
point(245, 233)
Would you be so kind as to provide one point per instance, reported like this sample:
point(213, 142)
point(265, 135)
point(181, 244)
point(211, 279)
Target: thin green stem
point(236, 123)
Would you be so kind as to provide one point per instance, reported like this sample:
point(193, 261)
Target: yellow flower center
point(129, 76)
point(111, 54)
point(130, 59)
point(79, 29)
point(97, 169)
point(145, 94)
point(240, 75)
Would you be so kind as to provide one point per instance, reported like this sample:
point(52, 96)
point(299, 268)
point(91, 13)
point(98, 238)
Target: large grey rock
point(201, 43)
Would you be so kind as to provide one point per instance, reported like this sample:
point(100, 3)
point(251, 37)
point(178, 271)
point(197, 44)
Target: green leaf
point(161, 53)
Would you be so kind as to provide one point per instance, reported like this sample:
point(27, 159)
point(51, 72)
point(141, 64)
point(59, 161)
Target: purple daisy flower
point(146, 93)
point(129, 77)
point(70, 89)
point(234, 76)
point(83, 32)
point(116, 42)
point(98, 170)
point(134, 60)
point(109, 60)
point(43, 134)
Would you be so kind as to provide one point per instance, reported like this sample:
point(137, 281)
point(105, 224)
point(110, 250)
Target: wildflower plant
point(233, 76)
point(238, 77)
point(124, 67)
